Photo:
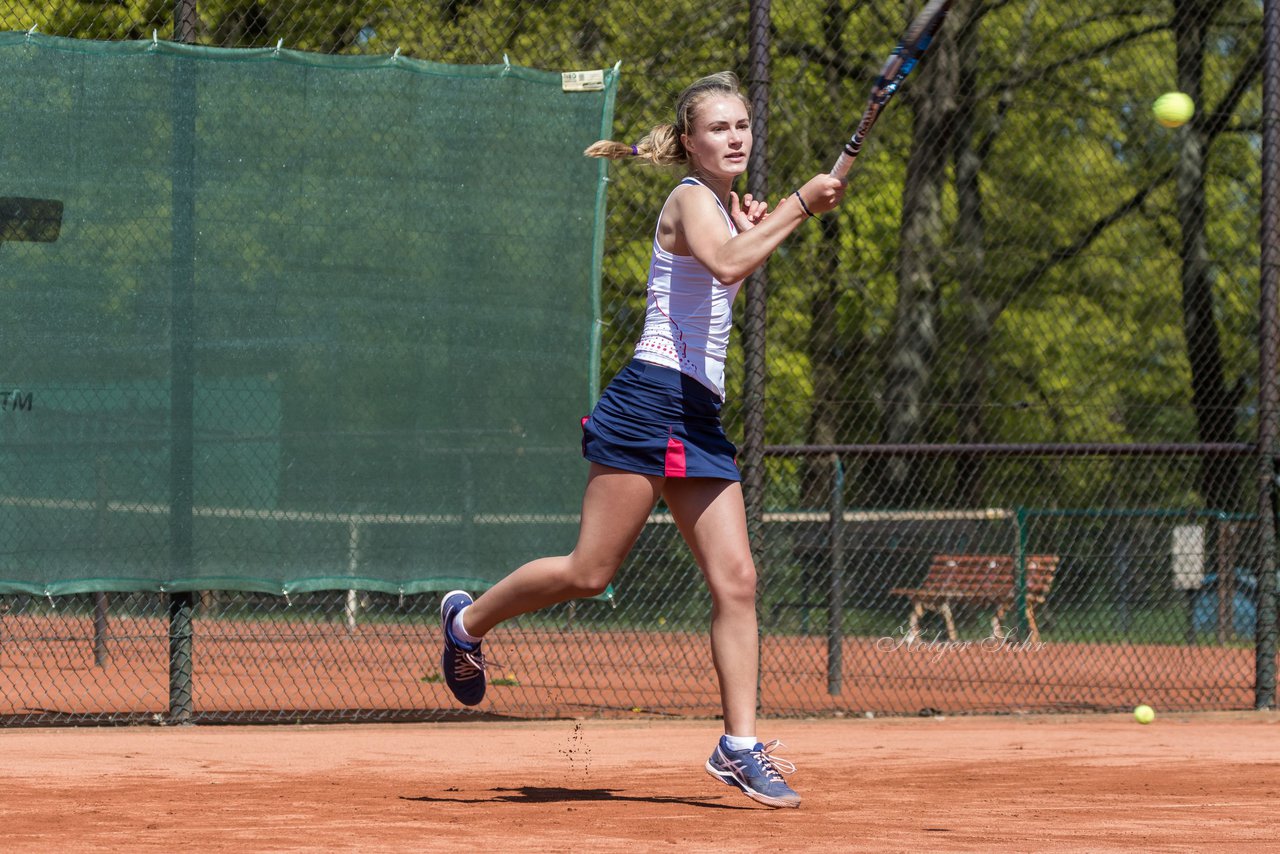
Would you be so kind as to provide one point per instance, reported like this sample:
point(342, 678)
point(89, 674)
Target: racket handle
point(843, 164)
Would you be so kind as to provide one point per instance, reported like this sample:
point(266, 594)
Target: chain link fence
point(1036, 334)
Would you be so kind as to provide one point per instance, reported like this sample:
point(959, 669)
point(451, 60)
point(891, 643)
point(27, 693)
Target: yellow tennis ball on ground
point(1144, 714)
point(1174, 109)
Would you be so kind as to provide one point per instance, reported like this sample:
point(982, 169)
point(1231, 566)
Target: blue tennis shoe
point(756, 772)
point(461, 663)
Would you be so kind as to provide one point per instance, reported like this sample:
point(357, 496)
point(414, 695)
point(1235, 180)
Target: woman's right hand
point(822, 192)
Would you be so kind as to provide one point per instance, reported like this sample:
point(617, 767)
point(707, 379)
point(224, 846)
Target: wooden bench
point(982, 580)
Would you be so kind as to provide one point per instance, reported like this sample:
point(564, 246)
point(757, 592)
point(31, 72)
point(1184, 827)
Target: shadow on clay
point(557, 794)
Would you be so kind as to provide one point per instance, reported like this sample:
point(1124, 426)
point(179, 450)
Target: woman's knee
point(590, 577)
point(593, 586)
point(734, 583)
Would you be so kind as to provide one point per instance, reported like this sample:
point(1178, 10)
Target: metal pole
point(182, 369)
point(1268, 394)
point(754, 328)
point(835, 603)
point(353, 567)
point(100, 525)
point(1018, 620)
point(184, 21)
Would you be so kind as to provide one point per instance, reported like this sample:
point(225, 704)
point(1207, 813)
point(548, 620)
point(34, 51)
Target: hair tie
point(634, 151)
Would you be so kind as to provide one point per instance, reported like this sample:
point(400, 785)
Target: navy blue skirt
point(655, 420)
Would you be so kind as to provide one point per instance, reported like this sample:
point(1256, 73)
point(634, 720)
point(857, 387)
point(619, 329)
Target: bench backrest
point(989, 574)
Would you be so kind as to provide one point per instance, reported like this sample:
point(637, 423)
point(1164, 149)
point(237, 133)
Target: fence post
point(184, 21)
point(353, 567)
point(754, 327)
point(100, 525)
point(1268, 394)
point(1018, 623)
point(1224, 559)
point(835, 602)
point(182, 368)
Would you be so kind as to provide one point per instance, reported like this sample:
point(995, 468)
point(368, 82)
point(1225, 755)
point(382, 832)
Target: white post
point(353, 565)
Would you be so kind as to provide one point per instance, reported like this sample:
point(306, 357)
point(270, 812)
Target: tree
point(910, 359)
point(1215, 398)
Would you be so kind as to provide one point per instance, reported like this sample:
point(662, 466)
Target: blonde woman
point(656, 432)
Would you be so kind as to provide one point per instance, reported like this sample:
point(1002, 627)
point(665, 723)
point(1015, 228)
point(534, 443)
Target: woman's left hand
point(747, 214)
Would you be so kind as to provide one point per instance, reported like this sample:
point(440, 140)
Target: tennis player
point(656, 430)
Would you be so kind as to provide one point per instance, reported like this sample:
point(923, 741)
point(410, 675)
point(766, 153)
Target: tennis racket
point(904, 58)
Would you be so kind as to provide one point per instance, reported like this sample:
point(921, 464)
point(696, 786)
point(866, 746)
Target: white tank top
point(688, 313)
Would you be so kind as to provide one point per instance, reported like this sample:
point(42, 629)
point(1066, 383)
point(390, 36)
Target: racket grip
point(843, 163)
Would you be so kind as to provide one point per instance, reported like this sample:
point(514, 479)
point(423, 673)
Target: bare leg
point(614, 510)
point(712, 518)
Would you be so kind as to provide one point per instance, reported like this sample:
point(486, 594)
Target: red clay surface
point(1188, 782)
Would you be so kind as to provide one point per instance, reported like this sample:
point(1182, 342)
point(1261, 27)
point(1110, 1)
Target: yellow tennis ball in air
point(1174, 109)
point(1144, 714)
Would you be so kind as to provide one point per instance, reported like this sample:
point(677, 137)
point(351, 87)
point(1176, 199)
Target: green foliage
point(1076, 269)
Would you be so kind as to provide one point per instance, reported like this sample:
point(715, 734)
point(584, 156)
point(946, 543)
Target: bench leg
point(913, 627)
point(950, 620)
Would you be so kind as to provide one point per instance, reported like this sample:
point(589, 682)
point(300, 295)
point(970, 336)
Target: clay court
point(1187, 782)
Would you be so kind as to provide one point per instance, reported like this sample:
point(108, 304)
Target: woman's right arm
point(732, 260)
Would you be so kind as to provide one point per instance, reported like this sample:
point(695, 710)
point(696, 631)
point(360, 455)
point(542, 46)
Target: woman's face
point(720, 139)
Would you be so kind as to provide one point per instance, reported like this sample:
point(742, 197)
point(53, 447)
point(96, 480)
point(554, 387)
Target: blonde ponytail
point(660, 147)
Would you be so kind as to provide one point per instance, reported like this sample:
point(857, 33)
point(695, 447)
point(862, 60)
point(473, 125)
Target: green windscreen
point(277, 321)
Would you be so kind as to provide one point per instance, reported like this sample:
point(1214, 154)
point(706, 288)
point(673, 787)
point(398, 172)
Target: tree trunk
point(1213, 401)
point(823, 349)
point(980, 311)
point(823, 345)
point(909, 370)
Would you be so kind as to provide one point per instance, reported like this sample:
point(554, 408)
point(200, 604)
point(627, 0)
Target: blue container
point(1204, 611)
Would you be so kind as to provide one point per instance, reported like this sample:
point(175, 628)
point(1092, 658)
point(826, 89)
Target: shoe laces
point(773, 766)
point(468, 664)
